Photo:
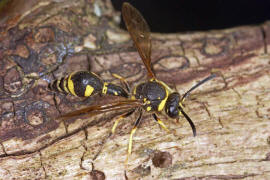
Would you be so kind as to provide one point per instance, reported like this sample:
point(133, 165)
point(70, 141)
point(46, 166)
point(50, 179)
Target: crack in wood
point(221, 177)
point(85, 149)
point(207, 110)
point(228, 162)
point(264, 39)
point(238, 94)
point(42, 165)
point(3, 148)
point(22, 153)
point(59, 111)
point(220, 122)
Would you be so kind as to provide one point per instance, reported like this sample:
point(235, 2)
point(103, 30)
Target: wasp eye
point(172, 105)
point(173, 111)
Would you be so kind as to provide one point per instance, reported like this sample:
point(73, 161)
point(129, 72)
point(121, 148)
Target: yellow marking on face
point(105, 88)
point(144, 99)
point(65, 86)
point(181, 105)
point(148, 108)
point(158, 97)
point(115, 93)
point(71, 85)
point(133, 98)
point(88, 90)
point(148, 102)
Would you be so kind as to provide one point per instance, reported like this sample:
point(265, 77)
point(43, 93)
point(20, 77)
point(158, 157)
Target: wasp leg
point(195, 86)
point(113, 130)
point(160, 122)
point(125, 115)
point(122, 80)
point(137, 122)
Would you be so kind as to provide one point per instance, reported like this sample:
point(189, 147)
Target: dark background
point(194, 15)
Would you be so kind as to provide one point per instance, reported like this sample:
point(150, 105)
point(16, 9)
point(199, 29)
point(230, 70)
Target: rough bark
point(52, 39)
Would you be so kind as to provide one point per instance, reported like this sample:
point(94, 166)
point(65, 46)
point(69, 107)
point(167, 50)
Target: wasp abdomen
point(56, 85)
point(85, 84)
point(81, 83)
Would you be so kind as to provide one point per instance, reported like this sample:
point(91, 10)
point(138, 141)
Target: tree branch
point(53, 39)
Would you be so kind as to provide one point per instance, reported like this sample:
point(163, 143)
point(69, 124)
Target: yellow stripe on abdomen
point(65, 85)
point(58, 86)
point(71, 85)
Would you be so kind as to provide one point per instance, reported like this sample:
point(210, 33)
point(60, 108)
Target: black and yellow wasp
point(153, 96)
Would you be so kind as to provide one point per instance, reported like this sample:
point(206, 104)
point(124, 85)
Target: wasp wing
point(140, 33)
point(99, 109)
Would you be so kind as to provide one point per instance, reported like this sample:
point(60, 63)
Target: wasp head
point(173, 108)
point(172, 105)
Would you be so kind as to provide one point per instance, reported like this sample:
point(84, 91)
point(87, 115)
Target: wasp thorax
point(153, 94)
point(172, 104)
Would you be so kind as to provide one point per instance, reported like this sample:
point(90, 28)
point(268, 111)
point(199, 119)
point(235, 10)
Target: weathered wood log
point(231, 112)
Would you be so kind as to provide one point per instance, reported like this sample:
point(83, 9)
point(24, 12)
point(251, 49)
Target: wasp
point(152, 96)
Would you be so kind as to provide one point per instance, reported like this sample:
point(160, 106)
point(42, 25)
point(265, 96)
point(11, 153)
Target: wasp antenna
point(197, 85)
point(189, 120)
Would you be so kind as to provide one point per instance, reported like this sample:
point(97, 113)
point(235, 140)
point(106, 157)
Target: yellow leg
point(160, 122)
point(123, 80)
point(130, 140)
point(163, 125)
point(130, 143)
point(115, 124)
point(137, 122)
point(120, 118)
